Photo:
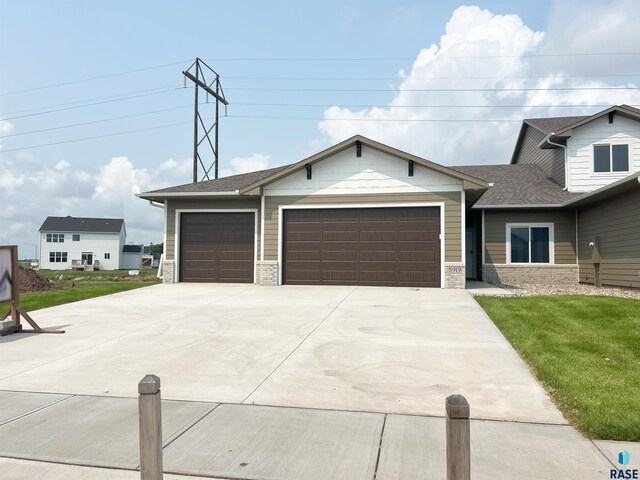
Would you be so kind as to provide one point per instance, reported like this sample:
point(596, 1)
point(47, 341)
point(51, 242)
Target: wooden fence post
point(150, 416)
point(458, 438)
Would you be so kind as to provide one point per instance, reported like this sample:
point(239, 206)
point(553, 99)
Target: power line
point(92, 99)
point(110, 75)
point(428, 120)
point(327, 105)
point(103, 120)
point(510, 77)
point(439, 56)
point(95, 137)
point(535, 89)
point(90, 104)
point(94, 121)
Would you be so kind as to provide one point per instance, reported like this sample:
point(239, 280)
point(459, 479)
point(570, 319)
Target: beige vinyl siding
point(452, 228)
point(202, 204)
point(617, 223)
point(549, 160)
point(495, 224)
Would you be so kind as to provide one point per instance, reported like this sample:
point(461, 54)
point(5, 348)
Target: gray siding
point(221, 203)
point(617, 223)
point(549, 160)
point(453, 216)
point(495, 224)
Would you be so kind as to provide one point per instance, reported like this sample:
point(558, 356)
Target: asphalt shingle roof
point(78, 224)
point(553, 124)
point(131, 248)
point(512, 184)
point(225, 184)
point(516, 185)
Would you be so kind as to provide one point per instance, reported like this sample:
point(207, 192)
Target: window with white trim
point(610, 157)
point(530, 243)
point(55, 237)
point(76, 237)
point(107, 256)
point(57, 257)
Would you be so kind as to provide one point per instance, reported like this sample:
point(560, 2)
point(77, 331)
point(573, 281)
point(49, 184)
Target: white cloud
point(5, 126)
point(17, 227)
point(473, 32)
point(118, 180)
point(169, 164)
point(257, 161)
point(9, 182)
point(62, 165)
point(8, 211)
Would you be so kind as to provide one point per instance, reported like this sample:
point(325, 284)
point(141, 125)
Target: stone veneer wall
point(167, 271)
point(267, 273)
point(454, 275)
point(533, 274)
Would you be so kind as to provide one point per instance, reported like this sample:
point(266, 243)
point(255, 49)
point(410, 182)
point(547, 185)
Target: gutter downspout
point(566, 166)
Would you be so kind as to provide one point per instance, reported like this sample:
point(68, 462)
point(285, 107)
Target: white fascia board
point(504, 207)
point(187, 194)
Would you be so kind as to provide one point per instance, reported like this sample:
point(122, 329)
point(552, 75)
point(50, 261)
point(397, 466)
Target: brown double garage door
point(362, 246)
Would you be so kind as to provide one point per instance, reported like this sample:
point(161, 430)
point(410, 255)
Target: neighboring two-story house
point(565, 210)
point(67, 242)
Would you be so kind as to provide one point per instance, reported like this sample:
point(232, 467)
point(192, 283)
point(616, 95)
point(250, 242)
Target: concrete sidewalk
point(264, 442)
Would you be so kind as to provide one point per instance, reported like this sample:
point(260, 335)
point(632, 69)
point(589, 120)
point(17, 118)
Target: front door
point(470, 258)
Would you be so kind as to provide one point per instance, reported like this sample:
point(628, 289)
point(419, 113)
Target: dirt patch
point(31, 281)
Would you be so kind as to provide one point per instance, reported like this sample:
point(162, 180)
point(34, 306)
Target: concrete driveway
point(374, 349)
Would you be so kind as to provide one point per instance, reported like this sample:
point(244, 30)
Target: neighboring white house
point(71, 241)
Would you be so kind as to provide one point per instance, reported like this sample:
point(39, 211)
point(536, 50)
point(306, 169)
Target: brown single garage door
point(217, 247)
point(362, 246)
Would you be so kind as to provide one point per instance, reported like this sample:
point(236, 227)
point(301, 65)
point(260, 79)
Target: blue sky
point(331, 60)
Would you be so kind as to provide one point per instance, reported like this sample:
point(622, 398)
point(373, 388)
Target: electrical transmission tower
point(209, 81)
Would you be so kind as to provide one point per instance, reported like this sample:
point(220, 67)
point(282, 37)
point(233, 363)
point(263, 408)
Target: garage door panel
point(340, 236)
point(340, 277)
point(378, 255)
point(378, 236)
point(217, 247)
point(362, 246)
point(328, 256)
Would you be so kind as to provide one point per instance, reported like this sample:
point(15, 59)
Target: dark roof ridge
point(82, 224)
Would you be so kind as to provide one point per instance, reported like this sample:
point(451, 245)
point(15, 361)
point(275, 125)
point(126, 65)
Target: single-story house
point(91, 243)
point(566, 209)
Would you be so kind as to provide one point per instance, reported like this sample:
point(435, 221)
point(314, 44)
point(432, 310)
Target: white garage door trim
point(176, 233)
point(327, 206)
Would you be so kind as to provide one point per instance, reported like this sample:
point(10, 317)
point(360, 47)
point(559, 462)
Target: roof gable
point(80, 224)
point(557, 129)
point(469, 182)
point(372, 173)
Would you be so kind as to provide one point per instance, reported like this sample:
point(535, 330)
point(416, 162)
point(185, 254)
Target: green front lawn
point(586, 353)
point(37, 300)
